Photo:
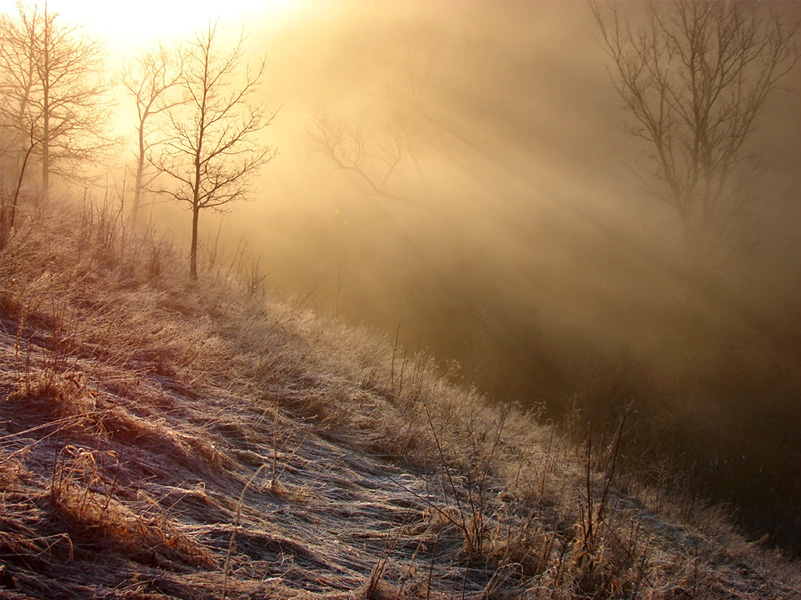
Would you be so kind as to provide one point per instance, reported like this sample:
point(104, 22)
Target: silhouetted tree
point(210, 149)
point(694, 77)
point(150, 81)
point(18, 120)
point(53, 93)
point(374, 161)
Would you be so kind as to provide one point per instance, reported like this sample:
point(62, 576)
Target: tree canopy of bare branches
point(153, 82)
point(211, 149)
point(693, 77)
point(52, 92)
point(374, 162)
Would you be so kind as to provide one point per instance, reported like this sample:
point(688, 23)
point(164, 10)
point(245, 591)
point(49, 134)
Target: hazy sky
point(128, 25)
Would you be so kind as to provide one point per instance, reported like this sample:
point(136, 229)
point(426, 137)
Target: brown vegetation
point(161, 437)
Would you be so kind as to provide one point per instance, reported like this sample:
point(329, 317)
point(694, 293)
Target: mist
point(493, 216)
point(457, 176)
point(513, 227)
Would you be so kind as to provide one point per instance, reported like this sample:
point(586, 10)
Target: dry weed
point(85, 499)
point(225, 445)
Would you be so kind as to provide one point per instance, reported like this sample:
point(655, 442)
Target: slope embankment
point(168, 438)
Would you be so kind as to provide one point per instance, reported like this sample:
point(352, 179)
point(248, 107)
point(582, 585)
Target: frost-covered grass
point(167, 438)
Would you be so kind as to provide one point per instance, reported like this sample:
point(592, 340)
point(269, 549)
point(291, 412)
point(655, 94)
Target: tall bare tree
point(694, 76)
point(53, 92)
point(151, 81)
point(17, 119)
point(211, 149)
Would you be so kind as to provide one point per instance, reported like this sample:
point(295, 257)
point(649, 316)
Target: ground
point(168, 438)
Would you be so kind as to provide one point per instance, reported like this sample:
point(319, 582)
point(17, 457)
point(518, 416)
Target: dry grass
point(164, 439)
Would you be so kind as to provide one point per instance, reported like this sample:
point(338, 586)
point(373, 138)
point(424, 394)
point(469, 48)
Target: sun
point(126, 26)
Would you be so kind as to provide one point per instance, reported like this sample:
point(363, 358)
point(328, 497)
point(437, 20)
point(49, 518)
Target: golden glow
point(129, 25)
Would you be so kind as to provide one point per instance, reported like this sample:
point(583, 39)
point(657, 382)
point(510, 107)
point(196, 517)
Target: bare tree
point(211, 149)
point(374, 162)
point(694, 76)
point(18, 121)
point(150, 81)
point(53, 92)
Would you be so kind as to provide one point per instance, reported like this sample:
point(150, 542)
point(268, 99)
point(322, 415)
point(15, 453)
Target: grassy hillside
point(161, 438)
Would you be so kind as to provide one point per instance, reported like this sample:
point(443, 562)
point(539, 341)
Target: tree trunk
point(140, 167)
point(45, 167)
point(45, 77)
point(19, 185)
point(193, 247)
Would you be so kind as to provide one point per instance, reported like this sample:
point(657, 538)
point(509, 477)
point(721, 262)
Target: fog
point(494, 217)
point(513, 234)
point(457, 174)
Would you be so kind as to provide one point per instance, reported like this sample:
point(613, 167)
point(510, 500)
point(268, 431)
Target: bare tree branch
point(152, 82)
point(694, 78)
point(374, 163)
point(52, 97)
point(210, 150)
